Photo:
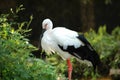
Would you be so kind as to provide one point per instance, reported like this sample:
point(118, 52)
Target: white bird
point(67, 43)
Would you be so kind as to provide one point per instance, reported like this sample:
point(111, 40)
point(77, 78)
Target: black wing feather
point(84, 52)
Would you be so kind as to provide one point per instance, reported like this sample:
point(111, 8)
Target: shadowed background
point(79, 15)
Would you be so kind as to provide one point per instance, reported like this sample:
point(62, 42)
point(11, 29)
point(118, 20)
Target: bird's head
point(47, 24)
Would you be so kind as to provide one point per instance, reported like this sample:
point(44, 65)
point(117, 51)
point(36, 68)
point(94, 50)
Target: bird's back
point(65, 37)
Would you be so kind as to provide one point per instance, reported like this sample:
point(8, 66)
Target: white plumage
point(59, 36)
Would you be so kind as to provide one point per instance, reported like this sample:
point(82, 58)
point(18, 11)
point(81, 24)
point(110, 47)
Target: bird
point(67, 43)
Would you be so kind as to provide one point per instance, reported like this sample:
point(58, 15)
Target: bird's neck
point(48, 31)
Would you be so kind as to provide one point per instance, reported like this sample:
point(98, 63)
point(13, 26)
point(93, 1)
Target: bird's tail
point(96, 60)
point(99, 66)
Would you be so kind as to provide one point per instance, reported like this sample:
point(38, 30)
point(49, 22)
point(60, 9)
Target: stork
point(67, 43)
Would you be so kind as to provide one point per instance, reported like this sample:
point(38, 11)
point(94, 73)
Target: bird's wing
point(48, 43)
point(65, 37)
point(84, 52)
point(85, 41)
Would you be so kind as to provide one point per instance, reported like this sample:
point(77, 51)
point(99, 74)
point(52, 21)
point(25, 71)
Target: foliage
point(15, 51)
point(107, 45)
point(108, 2)
point(116, 60)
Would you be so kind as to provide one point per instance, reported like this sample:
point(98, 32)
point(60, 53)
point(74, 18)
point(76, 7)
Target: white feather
point(60, 36)
point(65, 37)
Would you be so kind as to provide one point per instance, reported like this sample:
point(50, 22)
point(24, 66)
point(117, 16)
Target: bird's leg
point(69, 69)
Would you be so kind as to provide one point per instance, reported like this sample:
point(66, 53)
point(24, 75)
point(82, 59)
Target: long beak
point(43, 30)
point(41, 35)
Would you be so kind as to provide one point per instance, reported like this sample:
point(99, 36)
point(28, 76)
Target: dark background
point(79, 15)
